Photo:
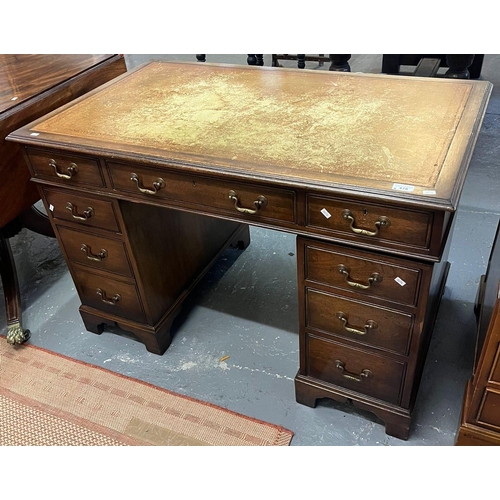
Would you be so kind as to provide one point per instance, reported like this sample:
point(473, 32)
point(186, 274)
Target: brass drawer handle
point(157, 184)
point(74, 212)
point(370, 325)
point(374, 278)
point(111, 301)
point(382, 221)
point(72, 170)
point(259, 203)
point(96, 257)
point(352, 376)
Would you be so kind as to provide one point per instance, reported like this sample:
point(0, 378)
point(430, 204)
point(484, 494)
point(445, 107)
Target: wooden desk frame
point(372, 253)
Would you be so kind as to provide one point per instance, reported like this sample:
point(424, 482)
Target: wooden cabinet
point(480, 422)
point(150, 178)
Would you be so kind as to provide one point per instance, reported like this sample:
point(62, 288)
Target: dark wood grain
point(410, 228)
point(9, 280)
point(404, 319)
point(66, 169)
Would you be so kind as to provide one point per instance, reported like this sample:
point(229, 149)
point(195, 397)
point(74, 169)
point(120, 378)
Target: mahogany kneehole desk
point(367, 170)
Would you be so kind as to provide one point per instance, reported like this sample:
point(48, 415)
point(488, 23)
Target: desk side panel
point(171, 250)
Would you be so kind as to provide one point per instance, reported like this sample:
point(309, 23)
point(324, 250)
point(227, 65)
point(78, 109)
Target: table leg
point(15, 332)
point(243, 240)
point(458, 66)
point(36, 221)
point(201, 57)
point(255, 59)
point(339, 62)
point(301, 61)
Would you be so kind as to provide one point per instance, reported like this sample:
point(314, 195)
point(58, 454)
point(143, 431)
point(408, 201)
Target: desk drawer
point(82, 209)
point(97, 252)
point(354, 369)
point(205, 193)
point(361, 272)
point(109, 295)
point(358, 321)
point(66, 169)
point(373, 223)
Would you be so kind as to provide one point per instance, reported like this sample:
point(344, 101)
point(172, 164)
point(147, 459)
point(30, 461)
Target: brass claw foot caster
point(16, 335)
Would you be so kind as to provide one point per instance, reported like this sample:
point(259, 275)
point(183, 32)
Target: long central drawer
point(248, 200)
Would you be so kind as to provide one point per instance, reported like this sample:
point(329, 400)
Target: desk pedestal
point(130, 263)
point(365, 322)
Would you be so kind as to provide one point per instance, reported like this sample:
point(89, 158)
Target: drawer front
point(109, 295)
point(489, 412)
point(353, 369)
point(237, 199)
point(365, 274)
point(97, 252)
point(84, 210)
point(364, 323)
point(69, 170)
point(374, 223)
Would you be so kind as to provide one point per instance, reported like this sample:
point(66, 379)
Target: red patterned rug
point(47, 399)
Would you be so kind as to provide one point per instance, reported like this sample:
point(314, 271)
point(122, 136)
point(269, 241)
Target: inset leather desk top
point(404, 136)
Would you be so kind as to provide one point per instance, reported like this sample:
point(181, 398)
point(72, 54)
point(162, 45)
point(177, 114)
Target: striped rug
point(47, 399)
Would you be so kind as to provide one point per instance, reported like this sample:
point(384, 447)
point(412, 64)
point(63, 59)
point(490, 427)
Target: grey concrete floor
point(246, 308)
